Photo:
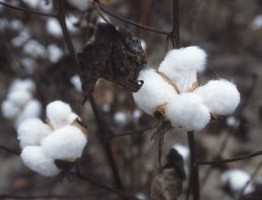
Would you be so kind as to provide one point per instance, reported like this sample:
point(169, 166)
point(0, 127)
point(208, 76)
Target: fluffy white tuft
point(121, 118)
point(31, 110)
point(19, 97)
point(188, 111)
point(236, 179)
point(59, 114)
point(9, 109)
point(34, 49)
point(34, 159)
point(54, 53)
point(76, 82)
point(32, 3)
point(66, 143)
point(25, 84)
point(220, 96)
point(182, 150)
point(182, 65)
point(32, 131)
point(154, 92)
point(53, 27)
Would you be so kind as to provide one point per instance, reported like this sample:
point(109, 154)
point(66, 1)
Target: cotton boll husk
point(34, 159)
point(188, 111)
point(235, 178)
point(154, 92)
point(34, 49)
point(32, 131)
point(182, 65)
point(66, 143)
point(59, 114)
point(220, 96)
point(31, 110)
point(9, 109)
point(19, 97)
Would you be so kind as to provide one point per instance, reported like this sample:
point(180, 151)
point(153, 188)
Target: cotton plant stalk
point(62, 138)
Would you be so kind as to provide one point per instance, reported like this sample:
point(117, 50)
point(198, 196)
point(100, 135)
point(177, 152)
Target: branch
point(10, 150)
point(27, 10)
point(258, 153)
point(147, 28)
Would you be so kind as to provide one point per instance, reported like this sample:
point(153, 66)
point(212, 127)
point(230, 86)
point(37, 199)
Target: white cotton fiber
point(182, 150)
point(188, 111)
point(32, 3)
point(236, 179)
point(25, 84)
point(32, 131)
point(53, 27)
point(79, 4)
point(34, 49)
point(59, 114)
point(31, 110)
point(19, 97)
point(154, 92)
point(76, 82)
point(182, 65)
point(120, 118)
point(66, 143)
point(9, 109)
point(54, 53)
point(220, 96)
point(34, 159)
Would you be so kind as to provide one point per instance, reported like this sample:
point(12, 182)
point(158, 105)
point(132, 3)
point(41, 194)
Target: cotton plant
point(174, 91)
point(61, 138)
point(20, 103)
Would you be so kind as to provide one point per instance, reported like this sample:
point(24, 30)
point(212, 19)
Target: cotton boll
point(71, 20)
point(54, 53)
point(53, 27)
point(66, 143)
point(45, 6)
point(29, 65)
point(34, 49)
point(9, 109)
point(32, 3)
point(236, 179)
point(144, 45)
point(34, 159)
point(220, 96)
point(21, 39)
point(154, 92)
point(137, 113)
point(76, 82)
point(79, 4)
point(257, 22)
point(31, 110)
point(120, 118)
point(59, 114)
point(32, 131)
point(25, 84)
point(232, 122)
point(182, 150)
point(19, 97)
point(182, 65)
point(188, 111)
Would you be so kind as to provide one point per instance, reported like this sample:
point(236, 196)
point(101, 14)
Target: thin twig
point(175, 33)
point(258, 153)
point(27, 10)
point(147, 28)
point(194, 174)
point(10, 150)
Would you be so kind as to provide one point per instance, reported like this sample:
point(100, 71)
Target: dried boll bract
point(114, 55)
point(60, 141)
point(173, 91)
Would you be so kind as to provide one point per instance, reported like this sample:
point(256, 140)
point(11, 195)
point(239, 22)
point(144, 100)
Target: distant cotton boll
point(154, 92)
point(32, 3)
point(188, 111)
point(79, 4)
point(120, 118)
point(19, 97)
point(76, 82)
point(257, 22)
point(53, 27)
point(235, 178)
point(54, 53)
point(21, 39)
point(182, 150)
point(31, 110)
point(137, 114)
point(59, 114)
point(66, 143)
point(16, 24)
point(47, 7)
point(34, 49)
point(29, 65)
point(32, 131)
point(106, 108)
point(182, 65)
point(22, 84)
point(143, 44)
point(220, 96)
point(9, 109)
point(232, 122)
point(34, 159)
point(71, 20)
point(3, 24)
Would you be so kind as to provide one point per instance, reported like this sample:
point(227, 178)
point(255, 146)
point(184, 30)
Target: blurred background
point(33, 52)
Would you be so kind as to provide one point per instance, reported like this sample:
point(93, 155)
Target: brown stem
point(175, 33)
point(194, 174)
